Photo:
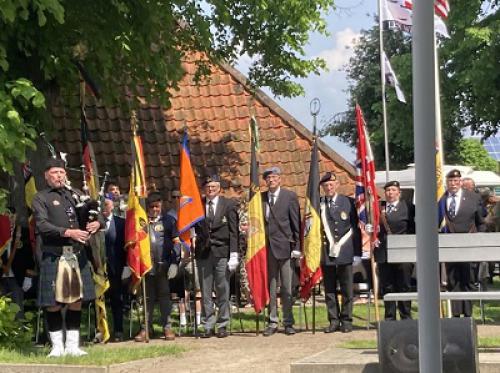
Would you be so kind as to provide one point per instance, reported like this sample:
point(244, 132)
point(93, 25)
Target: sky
point(344, 26)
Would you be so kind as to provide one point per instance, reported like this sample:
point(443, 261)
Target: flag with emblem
point(191, 209)
point(310, 270)
point(256, 255)
point(136, 222)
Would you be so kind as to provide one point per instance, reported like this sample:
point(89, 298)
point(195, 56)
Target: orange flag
point(191, 209)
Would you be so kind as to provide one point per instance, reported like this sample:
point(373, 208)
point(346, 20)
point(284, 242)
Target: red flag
point(367, 203)
point(5, 233)
point(191, 209)
point(256, 255)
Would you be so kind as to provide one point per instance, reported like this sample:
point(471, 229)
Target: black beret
point(154, 197)
point(271, 171)
point(54, 162)
point(211, 179)
point(329, 176)
point(453, 173)
point(392, 183)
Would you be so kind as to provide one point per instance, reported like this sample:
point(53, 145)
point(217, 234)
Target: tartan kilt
point(47, 281)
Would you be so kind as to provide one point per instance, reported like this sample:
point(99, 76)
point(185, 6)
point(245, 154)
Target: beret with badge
point(453, 173)
point(271, 171)
point(329, 176)
point(392, 183)
point(211, 179)
point(54, 162)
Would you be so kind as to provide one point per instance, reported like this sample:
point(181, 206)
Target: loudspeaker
point(398, 346)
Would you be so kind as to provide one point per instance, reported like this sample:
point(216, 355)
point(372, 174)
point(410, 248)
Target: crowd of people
point(63, 264)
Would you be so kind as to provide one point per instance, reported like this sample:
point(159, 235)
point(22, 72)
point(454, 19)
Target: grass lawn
point(97, 355)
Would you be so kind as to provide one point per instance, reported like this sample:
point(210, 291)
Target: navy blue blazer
point(115, 246)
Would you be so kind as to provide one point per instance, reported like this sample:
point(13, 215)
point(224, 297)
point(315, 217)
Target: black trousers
point(115, 295)
point(396, 278)
point(460, 278)
point(338, 279)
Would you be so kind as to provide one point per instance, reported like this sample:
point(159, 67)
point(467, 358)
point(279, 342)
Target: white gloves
point(126, 273)
point(173, 270)
point(233, 262)
point(356, 260)
point(27, 284)
point(296, 254)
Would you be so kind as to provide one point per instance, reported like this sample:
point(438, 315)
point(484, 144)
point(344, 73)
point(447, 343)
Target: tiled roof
point(216, 113)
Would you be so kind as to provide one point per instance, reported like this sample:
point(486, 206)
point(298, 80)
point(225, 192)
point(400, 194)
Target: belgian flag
point(256, 256)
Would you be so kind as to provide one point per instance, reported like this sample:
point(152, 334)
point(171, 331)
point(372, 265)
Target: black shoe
point(207, 334)
point(222, 333)
point(346, 328)
point(289, 330)
point(332, 328)
point(118, 337)
point(269, 331)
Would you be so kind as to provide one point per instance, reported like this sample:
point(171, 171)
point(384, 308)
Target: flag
point(399, 12)
point(310, 271)
point(256, 256)
point(367, 203)
point(440, 190)
point(88, 156)
point(29, 192)
point(191, 209)
point(5, 232)
point(441, 7)
point(392, 79)
point(136, 221)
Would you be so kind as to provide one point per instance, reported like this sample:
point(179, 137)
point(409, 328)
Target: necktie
point(453, 206)
point(390, 208)
point(211, 213)
point(271, 200)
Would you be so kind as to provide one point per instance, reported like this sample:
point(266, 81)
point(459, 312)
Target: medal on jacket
point(343, 215)
point(158, 228)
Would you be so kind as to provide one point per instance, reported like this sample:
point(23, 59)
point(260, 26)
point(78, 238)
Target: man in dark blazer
point(397, 217)
point(217, 255)
point(115, 262)
point(462, 214)
point(341, 243)
point(282, 224)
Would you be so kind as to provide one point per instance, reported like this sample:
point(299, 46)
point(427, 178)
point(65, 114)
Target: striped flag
point(88, 157)
point(440, 190)
point(310, 271)
point(136, 220)
point(367, 203)
point(256, 256)
point(191, 209)
point(441, 7)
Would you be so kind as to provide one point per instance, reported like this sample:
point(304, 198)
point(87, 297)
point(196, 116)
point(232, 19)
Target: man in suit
point(397, 217)
point(115, 262)
point(463, 214)
point(157, 286)
point(341, 243)
point(217, 255)
point(282, 224)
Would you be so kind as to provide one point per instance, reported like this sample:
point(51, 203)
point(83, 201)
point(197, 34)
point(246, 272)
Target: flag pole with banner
point(367, 203)
point(97, 240)
point(256, 256)
point(310, 269)
point(191, 211)
point(136, 222)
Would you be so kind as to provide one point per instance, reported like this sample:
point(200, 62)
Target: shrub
point(14, 334)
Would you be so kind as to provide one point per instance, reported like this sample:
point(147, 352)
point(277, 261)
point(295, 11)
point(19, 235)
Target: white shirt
point(393, 204)
point(214, 204)
point(269, 194)
point(458, 197)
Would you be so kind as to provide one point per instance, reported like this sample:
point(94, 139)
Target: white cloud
point(337, 57)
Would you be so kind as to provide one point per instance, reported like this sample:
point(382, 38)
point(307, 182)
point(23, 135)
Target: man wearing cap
point(462, 214)
point(282, 224)
point(217, 255)
point(65, 275)
point(341, 243)
point(397, 217)
point(157, 285)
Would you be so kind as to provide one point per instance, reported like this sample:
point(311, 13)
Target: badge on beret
point(55, 202)
point(159, 228)
point(343, 215)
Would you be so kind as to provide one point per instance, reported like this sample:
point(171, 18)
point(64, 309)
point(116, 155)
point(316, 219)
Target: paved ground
point(249, 353)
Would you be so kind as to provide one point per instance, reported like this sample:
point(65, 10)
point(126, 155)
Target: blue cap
point(271, 171)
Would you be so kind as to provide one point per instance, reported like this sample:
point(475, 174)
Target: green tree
point(142, 44)
point(472, 153)
point(469, 92)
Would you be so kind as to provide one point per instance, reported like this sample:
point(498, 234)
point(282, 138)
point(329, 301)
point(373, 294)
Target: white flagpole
point(382, 80)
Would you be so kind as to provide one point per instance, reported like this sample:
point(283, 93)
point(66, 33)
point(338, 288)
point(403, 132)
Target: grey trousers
point(158, 291)
point(214, 275)
point(279, 269)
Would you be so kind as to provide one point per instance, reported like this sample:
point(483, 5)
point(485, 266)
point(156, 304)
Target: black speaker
point(398, 346)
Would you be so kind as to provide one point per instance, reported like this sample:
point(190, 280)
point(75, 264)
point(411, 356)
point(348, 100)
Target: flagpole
point(146, 321)
point(382, 81)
